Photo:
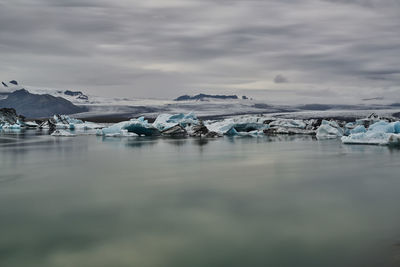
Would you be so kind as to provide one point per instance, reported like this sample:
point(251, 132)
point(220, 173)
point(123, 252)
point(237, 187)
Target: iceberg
point(288, 123)
point(166, 121)
point(372, 138)
point(288, 131)
point(329, 129)
point(122, 133)
point(66, 122)
point(379, 133)
point(358, 129)
point(31, 124)
point(239, 124)
point(14, 126)
point(62, 133)
point(197, 130)
point(138, 126)
point(176, 131)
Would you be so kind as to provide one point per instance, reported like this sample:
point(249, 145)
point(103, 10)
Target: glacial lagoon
point(152, 202)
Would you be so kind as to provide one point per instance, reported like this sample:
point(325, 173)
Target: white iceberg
point(288, 123)
point(358, 129)
point(379, 133)
point(14, 126)
point(329, 129)
point(31, 124)
point(165, 121)
point(66, 122)
point(372, 138)
point(138, 126)
point(62, 133)
point(122, 133)
point(232, 126)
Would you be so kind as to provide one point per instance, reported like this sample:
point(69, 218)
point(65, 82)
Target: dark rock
point(176, 130)
point(47, 124)
point(5, 85)
point(79, 94)
point(199, 130)
point(14, 82)
point(213, 135)
point(73, 93)
point(244, 97)
point(83, 97)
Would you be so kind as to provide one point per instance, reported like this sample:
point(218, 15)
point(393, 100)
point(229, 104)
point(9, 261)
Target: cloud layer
point(160, 48)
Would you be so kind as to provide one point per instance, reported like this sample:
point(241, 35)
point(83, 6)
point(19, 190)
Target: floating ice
point(122, 133)
point(329, 129)
point(372, 138)
point(358, 129)
point(62, 133)
point(138, 126)
point(239, 124)
point(14, 126)
point(379, 133)
point(66, 122)
point(288, 123)
point(166, 121)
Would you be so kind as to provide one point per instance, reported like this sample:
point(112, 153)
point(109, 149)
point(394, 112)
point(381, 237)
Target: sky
point(328, 49)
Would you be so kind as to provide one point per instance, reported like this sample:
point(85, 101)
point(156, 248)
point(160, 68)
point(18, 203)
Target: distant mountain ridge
point(39, 106)
point(204, 96)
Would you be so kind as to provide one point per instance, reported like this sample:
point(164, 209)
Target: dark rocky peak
point(14, 82)
point(73, 93)
point(204, 96)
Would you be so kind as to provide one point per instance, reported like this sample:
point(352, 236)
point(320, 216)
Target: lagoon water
point(284, 201)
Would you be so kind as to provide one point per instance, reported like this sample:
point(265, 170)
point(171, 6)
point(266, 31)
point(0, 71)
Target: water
point(89, 201)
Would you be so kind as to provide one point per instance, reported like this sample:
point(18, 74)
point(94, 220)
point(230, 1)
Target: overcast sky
point(164, 48)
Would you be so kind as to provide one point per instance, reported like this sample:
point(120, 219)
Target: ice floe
point(379, 133)
point(62, 133)
point(329, 129)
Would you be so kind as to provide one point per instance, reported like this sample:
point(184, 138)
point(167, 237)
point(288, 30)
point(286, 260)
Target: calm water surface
point(90, 201)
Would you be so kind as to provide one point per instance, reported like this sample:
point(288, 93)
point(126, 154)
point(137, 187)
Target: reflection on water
point(270, 201)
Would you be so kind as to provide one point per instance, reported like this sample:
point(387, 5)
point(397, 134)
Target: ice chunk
point(240, 124)
point(382, 126)
point(166, 121)
point(66, 122)
point(197, 130)
point(288, 123)
point(31, 124)
point(176, 130)
point(379, 133)
point(14, 126)
point(358, 129)
point(62, 133)
point(329, 129)
point(220, 127)
point(138, 126)
point(122, 133)
point(372, 138)
point(64, 119)
point(289, 131)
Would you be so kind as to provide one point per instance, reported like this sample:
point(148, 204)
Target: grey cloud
point(280, 79)
point(161, 49)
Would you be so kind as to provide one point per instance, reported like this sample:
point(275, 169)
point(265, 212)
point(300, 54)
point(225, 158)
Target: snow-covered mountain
point(117, 108)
